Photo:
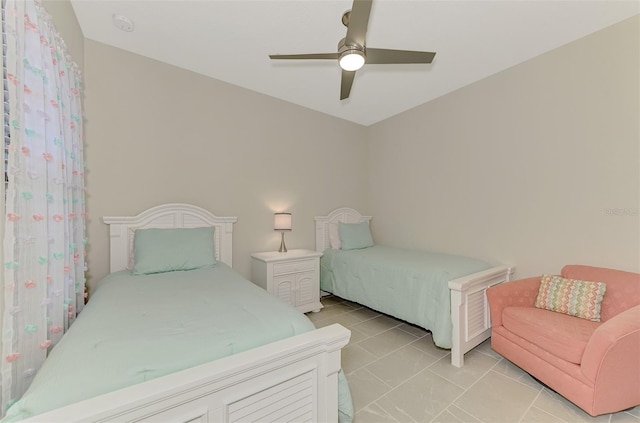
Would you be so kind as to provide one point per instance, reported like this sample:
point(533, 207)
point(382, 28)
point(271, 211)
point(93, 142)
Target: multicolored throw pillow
point(570, 296)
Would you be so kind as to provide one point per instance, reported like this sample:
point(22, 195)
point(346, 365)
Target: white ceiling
point(231, 41)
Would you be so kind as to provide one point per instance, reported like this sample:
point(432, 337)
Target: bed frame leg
point(457, 359)
point(457, 320)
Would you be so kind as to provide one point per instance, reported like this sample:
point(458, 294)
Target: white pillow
point(334, 237)
point(132, 234)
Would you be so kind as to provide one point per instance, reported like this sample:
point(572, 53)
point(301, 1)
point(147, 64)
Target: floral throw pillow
point(570, 296)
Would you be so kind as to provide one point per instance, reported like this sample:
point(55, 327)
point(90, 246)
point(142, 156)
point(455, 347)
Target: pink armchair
point(595, 365)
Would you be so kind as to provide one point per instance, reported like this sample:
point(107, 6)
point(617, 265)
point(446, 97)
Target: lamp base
point(283, 247)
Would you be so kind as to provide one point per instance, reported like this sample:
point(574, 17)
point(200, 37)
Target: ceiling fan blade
point(384, 56)
point(358, 22)
point(347, 82)
point(305, 56)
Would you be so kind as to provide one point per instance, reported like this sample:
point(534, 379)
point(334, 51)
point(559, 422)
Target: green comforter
point(136, 328)
point(410, 285)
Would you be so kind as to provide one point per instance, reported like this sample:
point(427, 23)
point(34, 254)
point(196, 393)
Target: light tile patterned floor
point(398, 375)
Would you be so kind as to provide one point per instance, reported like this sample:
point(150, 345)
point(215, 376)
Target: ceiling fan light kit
point(352, 60)
point(352, 53)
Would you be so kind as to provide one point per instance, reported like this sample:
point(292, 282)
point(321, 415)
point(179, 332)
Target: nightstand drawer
point(293, 267)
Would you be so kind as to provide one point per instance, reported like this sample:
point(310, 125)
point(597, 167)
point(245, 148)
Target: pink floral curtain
point(44, 242)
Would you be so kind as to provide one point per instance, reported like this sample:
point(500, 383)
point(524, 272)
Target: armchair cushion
point(570, 296)
point(521, 293)
point(561, 335)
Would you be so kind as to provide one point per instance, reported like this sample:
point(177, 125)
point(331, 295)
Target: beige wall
point(64, 19)
point(157, 134)
point(537, 165)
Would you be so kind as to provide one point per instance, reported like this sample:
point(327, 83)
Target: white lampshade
point(282, 221)
point(352, 60)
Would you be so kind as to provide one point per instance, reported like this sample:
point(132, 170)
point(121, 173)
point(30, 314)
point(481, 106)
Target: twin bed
point(207, 345)
point(439, 292)
point(201, 345)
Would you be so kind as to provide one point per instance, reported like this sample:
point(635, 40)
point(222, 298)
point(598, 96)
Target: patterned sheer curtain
point(44, 218)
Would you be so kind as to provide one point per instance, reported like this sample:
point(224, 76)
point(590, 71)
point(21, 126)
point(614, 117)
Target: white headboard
point(121, 230)
point(344, 214)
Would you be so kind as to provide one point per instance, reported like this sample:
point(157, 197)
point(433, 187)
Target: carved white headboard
point(176, 215)
point(344, 214)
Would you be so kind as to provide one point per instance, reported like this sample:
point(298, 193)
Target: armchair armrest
point(611, 359)
point(520, 293)
point(610, 337)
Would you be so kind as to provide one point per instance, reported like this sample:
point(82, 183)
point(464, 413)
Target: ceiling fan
point(352, 52)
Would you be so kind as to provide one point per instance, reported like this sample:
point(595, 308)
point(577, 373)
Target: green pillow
point(167, 250)
point(354, 236)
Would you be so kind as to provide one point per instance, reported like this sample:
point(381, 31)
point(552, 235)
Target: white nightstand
point(294, 277)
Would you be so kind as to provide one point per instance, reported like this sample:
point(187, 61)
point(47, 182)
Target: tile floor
point(398, 375)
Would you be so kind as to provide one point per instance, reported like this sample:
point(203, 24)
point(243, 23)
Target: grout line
point(496, 355)
point(518, 379)
point(435, 358)
point(531, 406)
point(391, 390)
point(475, 419)
point(363, 366)
point(379, 358)
point(411, 419)
point(441, 413)
point(465, 390)
point(629, 414)
point(562, 400)
point(376, 376)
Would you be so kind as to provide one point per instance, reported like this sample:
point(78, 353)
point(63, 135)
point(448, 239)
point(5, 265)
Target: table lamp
point(282, 223)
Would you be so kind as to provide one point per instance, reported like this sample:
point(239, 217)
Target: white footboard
point(295, 379)
point(470, 310)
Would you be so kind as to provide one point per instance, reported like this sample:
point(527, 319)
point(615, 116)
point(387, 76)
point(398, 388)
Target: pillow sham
point(334, 236)
point(354, 236)
point(167, 250)
point(570, 296)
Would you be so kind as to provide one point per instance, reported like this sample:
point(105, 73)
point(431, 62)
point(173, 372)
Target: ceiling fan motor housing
point(343, 46)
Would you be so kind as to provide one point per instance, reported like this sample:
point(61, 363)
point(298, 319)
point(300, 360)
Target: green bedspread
point(136, 328)
point(411, 285)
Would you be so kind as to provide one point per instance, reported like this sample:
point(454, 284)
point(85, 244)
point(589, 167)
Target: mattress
point(137, 328)
point(410, 285)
